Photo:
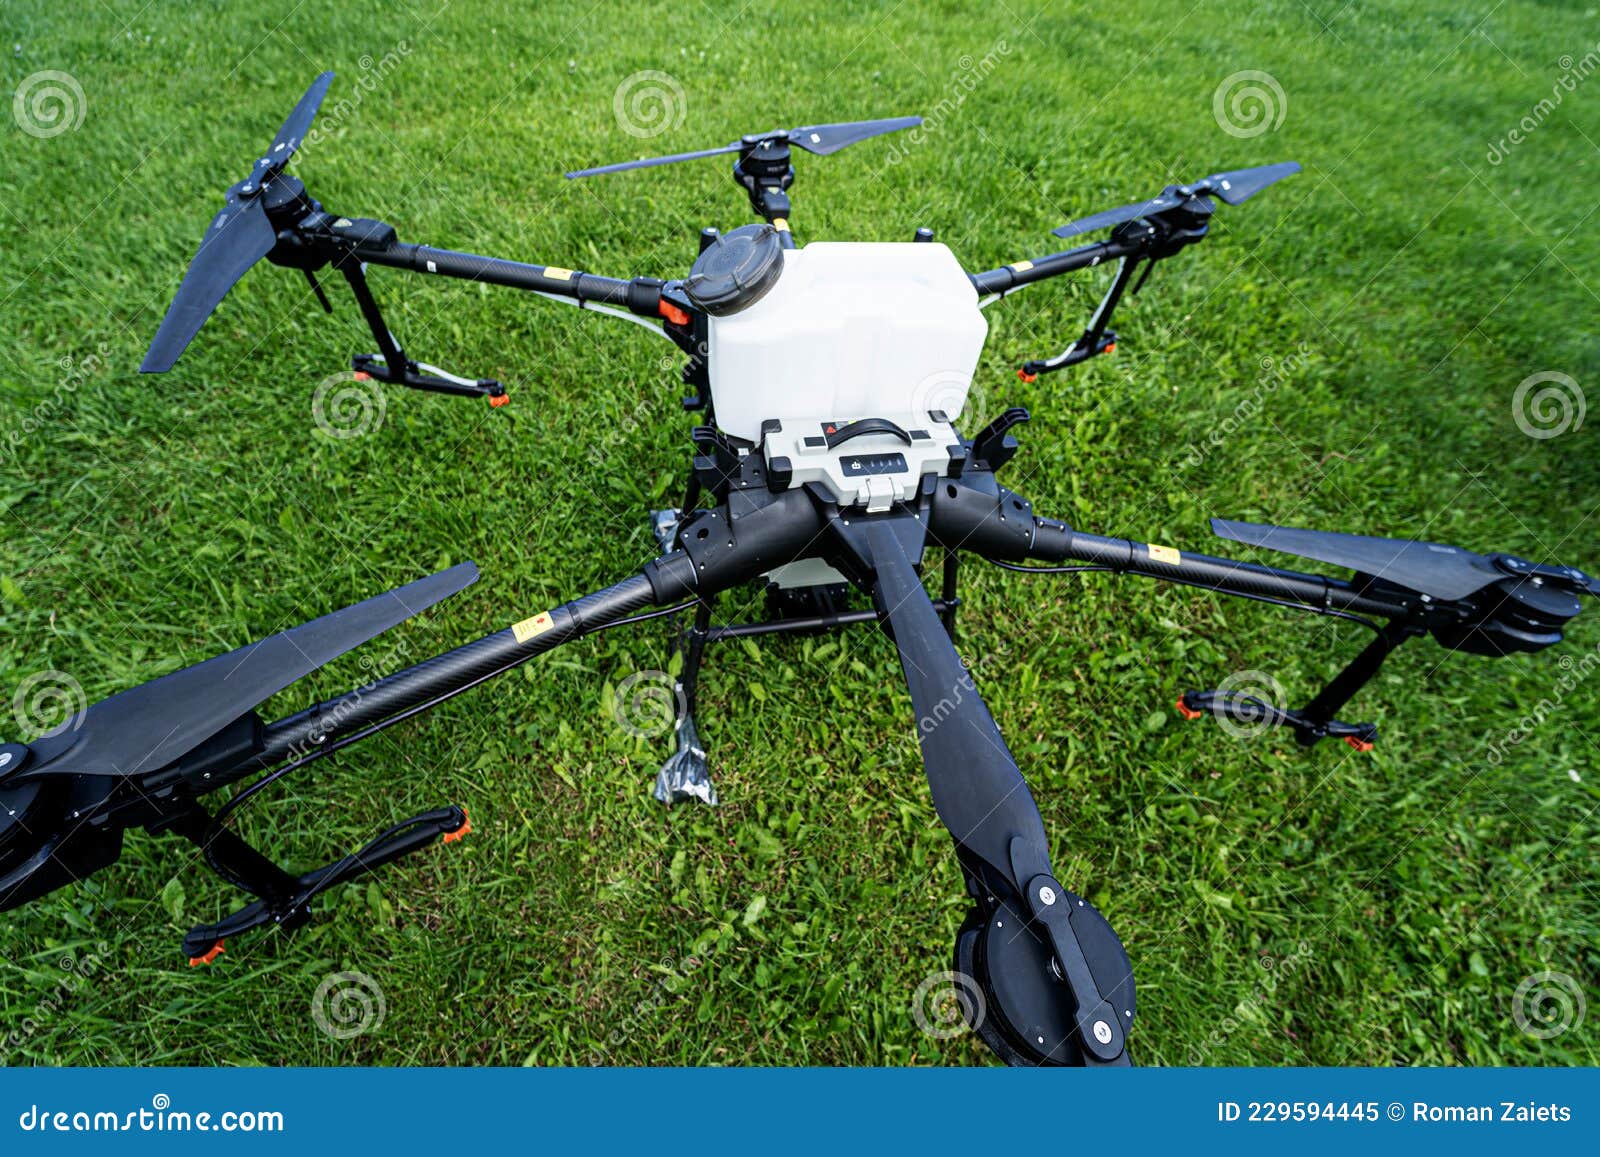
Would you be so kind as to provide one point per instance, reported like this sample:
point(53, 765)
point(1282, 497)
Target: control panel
point(868, 461)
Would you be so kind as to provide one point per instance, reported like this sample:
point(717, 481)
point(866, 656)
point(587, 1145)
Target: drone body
point(834, 379)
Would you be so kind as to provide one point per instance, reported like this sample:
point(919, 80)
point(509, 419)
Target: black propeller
point(1429, 568)
point(821, 140)
point(150, 726)
point(985, 803)
point(1232, 188)
point(239, 236)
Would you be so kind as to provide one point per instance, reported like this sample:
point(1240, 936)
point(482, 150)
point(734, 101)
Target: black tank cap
point(735, 270)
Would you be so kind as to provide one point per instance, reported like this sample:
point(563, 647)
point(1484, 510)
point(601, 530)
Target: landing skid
point(685, 777)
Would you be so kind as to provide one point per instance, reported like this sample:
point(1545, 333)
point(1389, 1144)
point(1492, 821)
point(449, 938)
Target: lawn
point(1342, 352)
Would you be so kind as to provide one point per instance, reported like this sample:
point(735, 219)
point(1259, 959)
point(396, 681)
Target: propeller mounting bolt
point(1047, 895)
point(1102, 1032)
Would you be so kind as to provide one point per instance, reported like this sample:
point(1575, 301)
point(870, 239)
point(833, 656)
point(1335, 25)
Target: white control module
point(869, 461)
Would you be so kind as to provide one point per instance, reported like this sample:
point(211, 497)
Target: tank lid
point(735, 270)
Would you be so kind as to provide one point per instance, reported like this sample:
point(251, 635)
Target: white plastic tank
point(850, 330)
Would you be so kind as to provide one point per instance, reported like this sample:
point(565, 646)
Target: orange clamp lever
point(672, 313)
point(216, 951)
point(1186, 711)
point(464, 830)
point(1358, 744)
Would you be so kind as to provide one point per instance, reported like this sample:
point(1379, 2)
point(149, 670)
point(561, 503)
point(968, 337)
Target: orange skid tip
point(1112, 348)
point(363, 376)
point(672, 313)
point(499, 399)
point(464, 830)
point(1026, 376)
point(1358, 744)
point(216, 951)
point(1186, 711)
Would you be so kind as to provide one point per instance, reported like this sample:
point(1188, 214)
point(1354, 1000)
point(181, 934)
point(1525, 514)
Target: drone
point(832, 456)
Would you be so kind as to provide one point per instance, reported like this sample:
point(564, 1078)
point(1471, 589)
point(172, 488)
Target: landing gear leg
point(686, 775)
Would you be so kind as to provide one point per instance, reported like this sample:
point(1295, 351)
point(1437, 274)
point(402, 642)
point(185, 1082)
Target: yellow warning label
point(556, 273)
point(781, 224)
point(1021, 266)
point(1165, 554)
point(532, 628)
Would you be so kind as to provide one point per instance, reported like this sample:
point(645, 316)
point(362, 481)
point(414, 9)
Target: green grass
point(1408, 283)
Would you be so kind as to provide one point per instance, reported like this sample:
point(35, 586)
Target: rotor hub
point(1027, 1015)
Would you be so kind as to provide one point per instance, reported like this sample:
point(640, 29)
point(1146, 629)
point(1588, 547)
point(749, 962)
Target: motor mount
point(1026, 1013)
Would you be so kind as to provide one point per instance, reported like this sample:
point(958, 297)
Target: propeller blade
point(240, 236)
point(1239, 185)
point(1112, 217)
point(825, 140)
point(1429, 568)
point(1233, 188)
point(977, 788)
point(149, 726)
point(298, 123)
point(652, 162)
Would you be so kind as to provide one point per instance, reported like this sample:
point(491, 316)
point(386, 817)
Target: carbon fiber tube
point(1055, 542)
point(304, 732)
point(498, 271)
point(1019, 273)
